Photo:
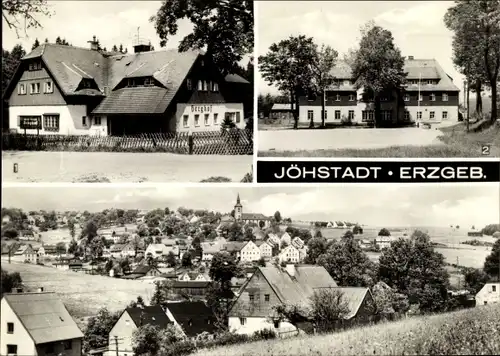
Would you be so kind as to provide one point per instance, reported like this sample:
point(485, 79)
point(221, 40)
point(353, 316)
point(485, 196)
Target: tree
point(357, 230)
point(60, 248)
point(139, 302)
point(475, 279)
point(73, 247)
point(121, 51)
point(72, 228)
point(317, 246)
point(225, 28)
point(223, 267)
point(322, 67)
point(146, 340)
point(96, 333)
point(328, 307)
point(35, 44)
point(412, 267)
point(384, 232)
point(476, 42)
point(249, 236)
point(9, 281)
point(125, 265)
point(186, 260)
point(277, 216)
point(348, 264)
point(10, 62)
point(288, 66)
point(388, 301)
point(378, 65)
point(492, 262)
point(46, 40)
point(171, 259)
point(20, 14)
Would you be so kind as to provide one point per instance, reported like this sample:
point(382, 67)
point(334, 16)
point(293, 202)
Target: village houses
point(489, 294)
point(289, 254)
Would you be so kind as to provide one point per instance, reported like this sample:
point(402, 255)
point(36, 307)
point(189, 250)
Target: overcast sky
point(378, 205)
point(417, 27)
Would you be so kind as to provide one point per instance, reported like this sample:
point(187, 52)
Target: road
point(336, 139)
point(85, 167)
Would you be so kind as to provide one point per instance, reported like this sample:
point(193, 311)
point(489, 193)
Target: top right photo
point(381, 79)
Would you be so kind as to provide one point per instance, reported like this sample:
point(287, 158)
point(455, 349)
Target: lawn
point(452, 141)
point(467, 332)
point(83, 294)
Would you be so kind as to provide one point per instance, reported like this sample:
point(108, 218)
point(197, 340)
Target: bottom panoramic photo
point(173, 270)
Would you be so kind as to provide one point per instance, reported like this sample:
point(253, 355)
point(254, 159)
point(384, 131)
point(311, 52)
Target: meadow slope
point(466, 332)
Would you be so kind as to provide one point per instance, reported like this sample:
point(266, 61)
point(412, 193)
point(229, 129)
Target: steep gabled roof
point(193, 317)
point(354, 296)
point(44, 317)
point(151, 315)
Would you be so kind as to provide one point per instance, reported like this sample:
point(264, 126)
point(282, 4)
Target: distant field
point(58, 235)
point(83, 294)
point(466, 332)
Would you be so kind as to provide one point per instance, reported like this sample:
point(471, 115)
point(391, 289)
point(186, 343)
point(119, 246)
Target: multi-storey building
point(429, 96)
point(59, 89)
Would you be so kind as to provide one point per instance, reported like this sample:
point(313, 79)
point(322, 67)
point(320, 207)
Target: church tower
point(238, 209)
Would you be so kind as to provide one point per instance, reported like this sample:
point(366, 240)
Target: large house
point(429, 95)
point(129, 321)
point(25, 253)
point(37, 324)
point(293, 285)
point(489, 294)
point(59, 89)
point(191, 318)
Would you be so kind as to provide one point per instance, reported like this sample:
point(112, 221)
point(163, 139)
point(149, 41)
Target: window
point(445, 115)
point(337, 114)
point(419, 115)
point(215, 87)
point(205, 85)
point(420, 97)
point(431, 114)
point(243, 321)
point(30, 122)
point(206, 119)
point(238, 118)
point(276, 324)
point(48, 88)
point(367, 115)
point(351, 97)
point(49, 348)
point(485, 302)
point(347, 82)
point(384, 98)
point(35, 66)
point(148, 82)
point(407, 115)
point(189, 84)
point(493, 288)
point(11, 349)
point(337, 97)
point(21, 89)
point(310, 115)
point(386, 115)
point(445, 97)
point(97, 120)
point(433, 97)
point(406, 97)
point(326, 114)
point(430, 81)
point(351, 115)
point(86, 83)
point(68, 345)
point(10, 328)
point(35, 88)
point(200, 85)
point(266, 297)
point(196, 120)
point(84, 120)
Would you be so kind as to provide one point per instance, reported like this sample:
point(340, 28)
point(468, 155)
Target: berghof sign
point(201, 108)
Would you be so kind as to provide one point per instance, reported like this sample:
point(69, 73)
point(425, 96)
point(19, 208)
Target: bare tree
point(22, 14)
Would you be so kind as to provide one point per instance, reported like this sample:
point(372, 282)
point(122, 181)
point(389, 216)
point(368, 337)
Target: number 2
point(485, 150)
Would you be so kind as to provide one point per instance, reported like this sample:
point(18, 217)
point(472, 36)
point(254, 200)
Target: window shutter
point(18, 121)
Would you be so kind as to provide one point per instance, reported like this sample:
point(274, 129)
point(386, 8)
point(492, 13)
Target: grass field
point(452, 141)
point(467, 332)
point(83, 294)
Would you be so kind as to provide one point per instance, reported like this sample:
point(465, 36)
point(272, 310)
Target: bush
point(265, 334)
point(179, 349)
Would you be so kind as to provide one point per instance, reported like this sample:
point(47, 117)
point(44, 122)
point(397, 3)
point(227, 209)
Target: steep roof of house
point(254, 216)
point(300, 288)
point(190, 284)
point(354, 296)
point(44, 317)
point(137, 100)
point(143, 269)
point(150, 315)
point(415, 69)
point(211, 247)
point(234, 246)
point(193, 317)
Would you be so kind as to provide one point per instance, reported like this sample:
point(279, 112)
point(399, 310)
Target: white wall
point(70, 120)
point(438, 113)
point(254, 324)
point(486, 294)
point(20, 337)
point(210, 109)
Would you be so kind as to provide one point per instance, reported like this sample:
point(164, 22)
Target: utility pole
point(116, 345)
point(468, 91)
point(418, 99)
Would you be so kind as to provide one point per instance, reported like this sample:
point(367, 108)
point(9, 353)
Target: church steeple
point(238, 208)
point(238, 202)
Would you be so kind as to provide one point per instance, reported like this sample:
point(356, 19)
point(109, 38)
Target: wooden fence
point(232, 142)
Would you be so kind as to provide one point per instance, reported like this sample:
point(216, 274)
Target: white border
point(255, 92)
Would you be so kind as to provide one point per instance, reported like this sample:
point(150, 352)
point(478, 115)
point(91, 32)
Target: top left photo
point(127, 91)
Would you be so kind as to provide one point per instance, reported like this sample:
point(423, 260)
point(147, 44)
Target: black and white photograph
point(378, 78)
point(171, 270)
point(127, 91)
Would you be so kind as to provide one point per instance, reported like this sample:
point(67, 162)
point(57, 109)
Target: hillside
point(474, 331)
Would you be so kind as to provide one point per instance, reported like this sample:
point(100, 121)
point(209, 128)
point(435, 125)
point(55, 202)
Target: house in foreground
point(37, 324)
point(192, 318)
point(489, 294)
point(294, 285)
point(67, 90)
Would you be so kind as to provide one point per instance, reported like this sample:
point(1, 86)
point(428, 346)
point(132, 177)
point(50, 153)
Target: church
point(260, 220)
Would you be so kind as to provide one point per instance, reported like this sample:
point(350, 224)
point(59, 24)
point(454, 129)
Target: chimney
point(142, 46)
point(94, 44)
point(410, 58)
point(40, 290)
point(290, 269)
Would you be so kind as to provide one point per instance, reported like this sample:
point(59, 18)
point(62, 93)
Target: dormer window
point(86, 84)
point(37, 65)
point(131, 82)
point(148, 82)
